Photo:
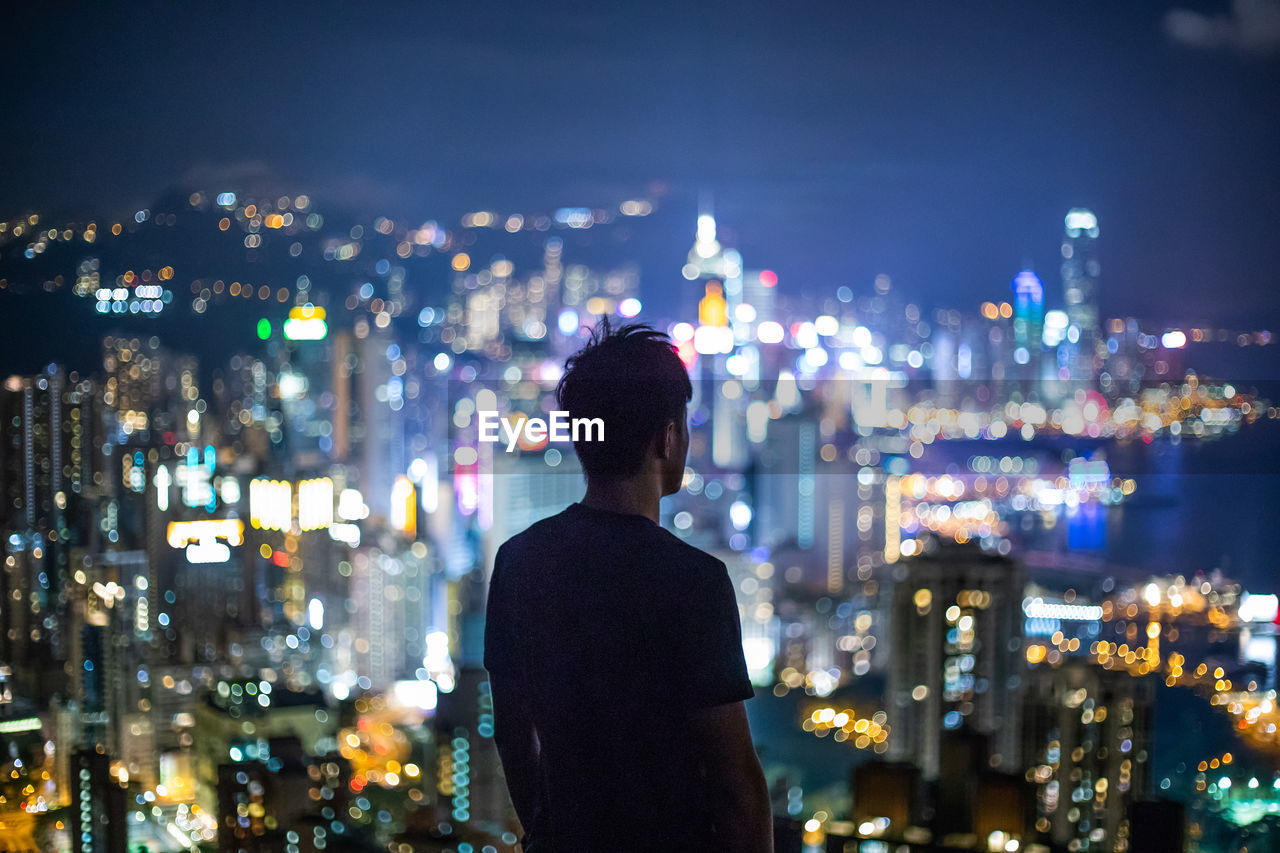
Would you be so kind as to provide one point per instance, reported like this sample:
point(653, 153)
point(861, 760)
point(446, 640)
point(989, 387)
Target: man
point(613, 648)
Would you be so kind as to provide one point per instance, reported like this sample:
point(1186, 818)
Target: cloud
point(1252, 26)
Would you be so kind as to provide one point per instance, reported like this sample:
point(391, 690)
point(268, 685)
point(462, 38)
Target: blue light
point(226, 199)
point(1027, 285)
point(574, 217)
point(568, 322)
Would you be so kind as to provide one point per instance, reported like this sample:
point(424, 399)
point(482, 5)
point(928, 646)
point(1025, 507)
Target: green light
point(264, 329)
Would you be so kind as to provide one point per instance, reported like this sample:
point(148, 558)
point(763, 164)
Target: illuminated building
point(784, 513)
point(150, 392)
point(1086, 732)
point(823, 520)
point(997, 344)
point(50, 469)
point(955, 650)
point(718, 276)
point(760, 291)
point(531, 491)
point(113, 654)
point(389, 593)
point(26, 783)
point(173, 697)
point(1028, 324)
point(274, 713)
point(1080, 272)
point(463, 727)
point(1051, 620)
point(499, 309)
point(251, 418)
point(299, 533)
point(590, 292)
point(53, 417)
point(98, 811)
point(282, 799)
point(1258, 634)
point(341, 365)
point(710, 263)
point(326, 528)
point(377, 434)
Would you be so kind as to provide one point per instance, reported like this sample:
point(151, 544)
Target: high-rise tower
point(720, 327)
point(1080, 292)
point(955, 654)
point(1028, 323)
point(718, 270)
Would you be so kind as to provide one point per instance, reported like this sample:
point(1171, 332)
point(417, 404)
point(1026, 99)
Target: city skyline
point(322, 487)
point(976, 311)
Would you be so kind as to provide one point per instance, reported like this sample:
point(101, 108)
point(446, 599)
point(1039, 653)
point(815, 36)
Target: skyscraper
point(1086, 734)
point(50, 470)
point(955, 648)
point(1028, 324)
point(98, 806)
point(1080, 271)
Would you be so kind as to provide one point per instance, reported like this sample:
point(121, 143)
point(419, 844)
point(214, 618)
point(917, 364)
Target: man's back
point(616, 631)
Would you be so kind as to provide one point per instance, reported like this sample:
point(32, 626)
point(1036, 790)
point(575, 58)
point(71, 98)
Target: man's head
point(631, 378)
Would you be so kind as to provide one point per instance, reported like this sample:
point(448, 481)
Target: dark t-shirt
point(615, 631)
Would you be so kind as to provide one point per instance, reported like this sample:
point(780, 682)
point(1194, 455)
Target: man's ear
point(669, 441)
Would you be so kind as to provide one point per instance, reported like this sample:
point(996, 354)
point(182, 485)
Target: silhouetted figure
point(613, 648)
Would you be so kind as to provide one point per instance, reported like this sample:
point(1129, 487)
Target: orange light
point(712, 309)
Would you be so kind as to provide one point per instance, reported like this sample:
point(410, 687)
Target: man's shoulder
point(550, 528)
point(659, 544)
point(690, 555)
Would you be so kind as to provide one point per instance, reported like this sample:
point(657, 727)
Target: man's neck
point(638, 495)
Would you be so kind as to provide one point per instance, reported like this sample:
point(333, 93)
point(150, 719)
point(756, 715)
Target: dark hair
point(631, 378)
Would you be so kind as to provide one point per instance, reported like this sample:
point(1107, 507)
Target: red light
point(768, 278)
point(280, 558)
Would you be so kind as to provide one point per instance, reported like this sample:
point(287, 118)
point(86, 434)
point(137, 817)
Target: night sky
point(940, 143)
